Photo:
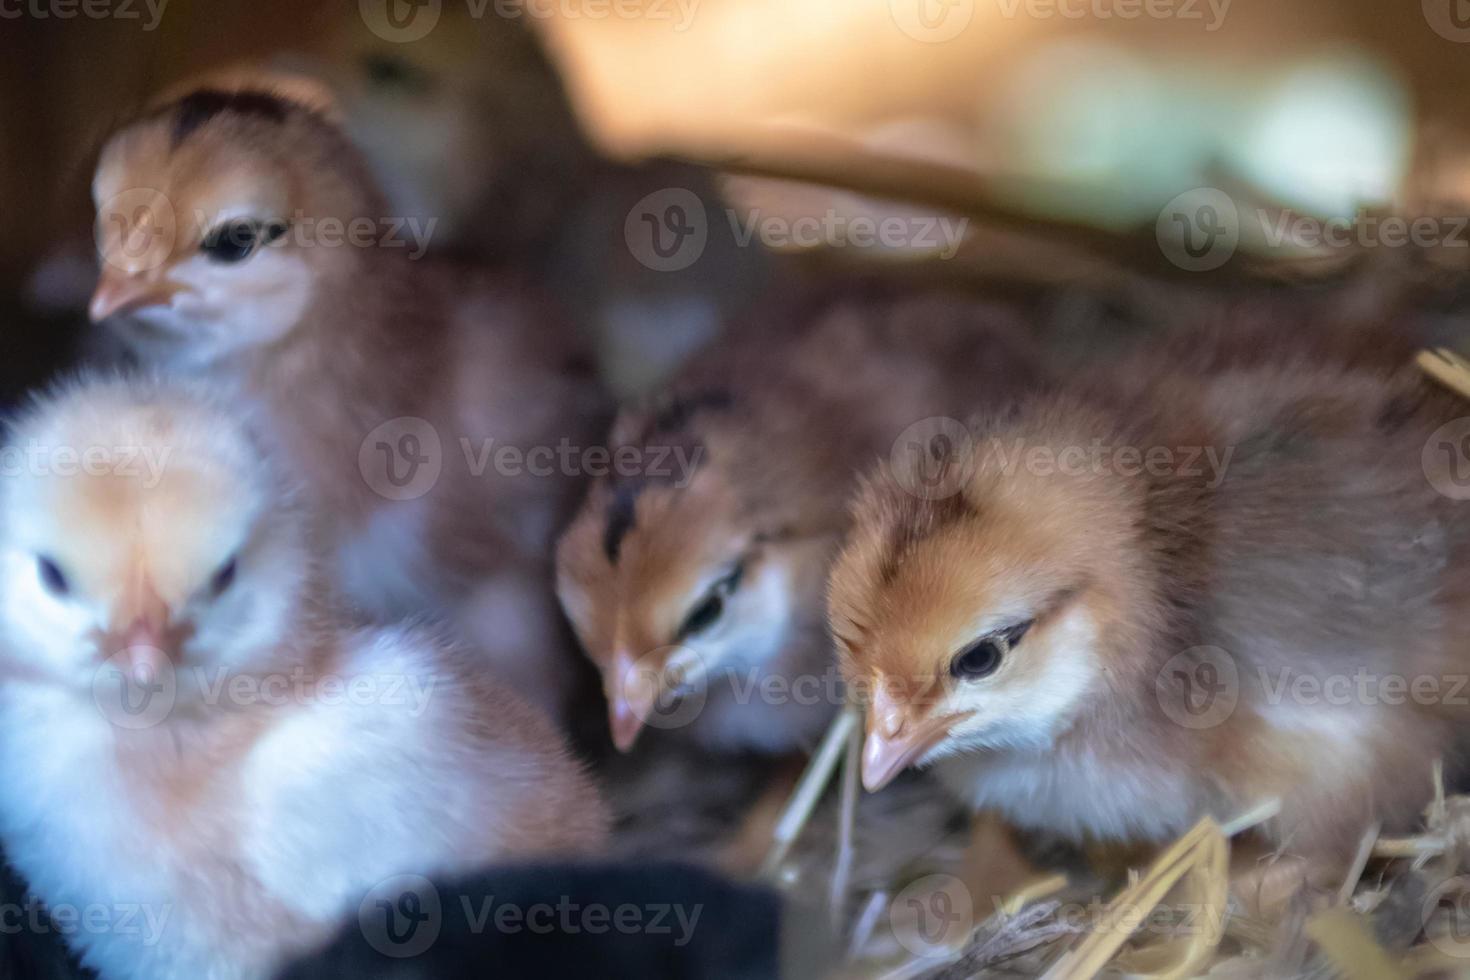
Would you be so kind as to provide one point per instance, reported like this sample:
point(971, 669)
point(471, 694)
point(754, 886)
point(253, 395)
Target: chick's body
point(699, 565)
point(195, 739)
point(1112, 647)
point(262, 257)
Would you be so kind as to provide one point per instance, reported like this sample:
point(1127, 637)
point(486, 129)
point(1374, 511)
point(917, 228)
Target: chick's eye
point(51, 577)
point(225, 577)
point(705, 615)
point(983, 657)
point(236, 241)
point(979, 659)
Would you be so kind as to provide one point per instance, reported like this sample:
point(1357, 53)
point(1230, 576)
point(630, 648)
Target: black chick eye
point(387, 71)
point(51, 577)
point(712, 607)
point(236, 241)
point(705, 615)
point(983, 657)
point(980, 659)
point(225, 577)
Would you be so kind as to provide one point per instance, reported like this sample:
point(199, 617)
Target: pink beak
point(895, 742)
point(631, 694)
point(120, 292)
point(148, 644)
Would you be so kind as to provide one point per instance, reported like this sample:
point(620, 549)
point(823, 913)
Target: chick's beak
point(896, 741)
point(121, 292)
point(631, 694)
point(147, 645)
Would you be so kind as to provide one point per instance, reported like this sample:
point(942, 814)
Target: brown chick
point(245, 243)
point(694, 571)
point(1187, 593)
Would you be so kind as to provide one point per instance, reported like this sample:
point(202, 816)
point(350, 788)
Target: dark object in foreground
point(635, 921)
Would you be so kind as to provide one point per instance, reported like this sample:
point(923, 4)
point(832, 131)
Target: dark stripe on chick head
point(198, 108)
point(913, 521)
point(671, 422)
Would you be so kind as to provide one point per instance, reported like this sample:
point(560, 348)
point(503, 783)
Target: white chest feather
point(1075, 794)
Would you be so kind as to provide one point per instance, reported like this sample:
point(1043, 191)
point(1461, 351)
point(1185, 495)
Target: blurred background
point(1119, 156)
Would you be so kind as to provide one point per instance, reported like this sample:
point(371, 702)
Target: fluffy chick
point(245, 242)
point(189, 728)
point(694, 571)
point(1109, 648)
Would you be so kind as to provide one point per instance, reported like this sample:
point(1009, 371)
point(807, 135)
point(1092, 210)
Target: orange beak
point(122, 292)
point(632, 691)
point(895, 742)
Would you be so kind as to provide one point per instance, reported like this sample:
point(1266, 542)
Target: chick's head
point(985, 618)
point(221, 215)
point(703, 572)
point(140, 529)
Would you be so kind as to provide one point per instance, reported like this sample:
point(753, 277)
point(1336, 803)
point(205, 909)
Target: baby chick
point(187, 727)
point(694, 572)
point(245, 242)
point(1185, 593)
